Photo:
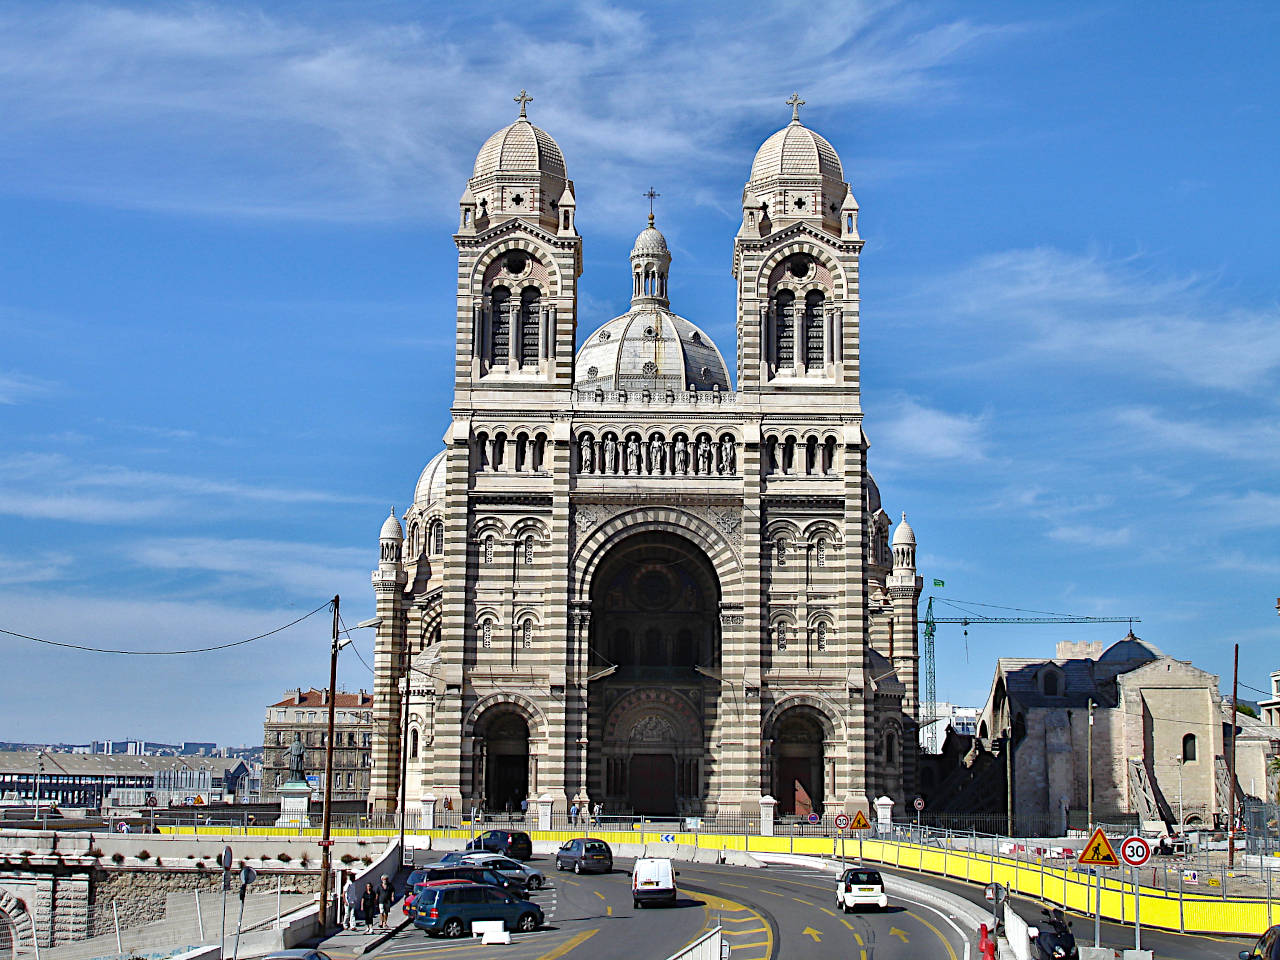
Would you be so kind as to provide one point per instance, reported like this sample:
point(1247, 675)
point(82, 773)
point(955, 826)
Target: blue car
point(449, 911)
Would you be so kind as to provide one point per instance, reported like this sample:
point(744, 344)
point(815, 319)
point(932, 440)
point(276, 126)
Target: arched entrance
point(655, 618)
point(502, 739)
point(797, 761)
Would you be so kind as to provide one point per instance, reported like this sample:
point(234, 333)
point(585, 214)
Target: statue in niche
point(727, 451)
point(680, 458)
point(704, 455)
point(633, 456)
point(586, 456)
point(610, 464)
point(656, 455)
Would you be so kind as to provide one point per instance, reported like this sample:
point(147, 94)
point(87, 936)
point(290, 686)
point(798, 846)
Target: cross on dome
point(524, 99)
point(652, 195)
point(793, 101)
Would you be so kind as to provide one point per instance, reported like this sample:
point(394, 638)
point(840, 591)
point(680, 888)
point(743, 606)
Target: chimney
point(324, 696)
point(297, 695)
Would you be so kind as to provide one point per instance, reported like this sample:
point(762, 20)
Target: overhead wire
point(343, 628)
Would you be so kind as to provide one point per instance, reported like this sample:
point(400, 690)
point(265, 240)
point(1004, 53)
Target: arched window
point(784, 326)
point(437, 538)
point(486, 634)
point(488, 549)
point(500, 326)
point(530, 322)
point(890, 748)
point(822, 635)
point(528, 549)
point(413, 744)
point(820, 553)
point(526, 633)
point(814, 339)
point(1189, 748)
point(415, 542)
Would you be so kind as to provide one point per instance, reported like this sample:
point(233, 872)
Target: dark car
point(450, 910)
point(509, 843)
point(476, 873)
point(585, 855)
point(1267, 947)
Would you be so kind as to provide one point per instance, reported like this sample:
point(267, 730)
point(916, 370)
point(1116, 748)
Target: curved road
point(778, 912)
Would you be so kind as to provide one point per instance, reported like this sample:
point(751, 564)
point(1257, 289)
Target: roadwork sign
point(1098, 852)
point(859, 822)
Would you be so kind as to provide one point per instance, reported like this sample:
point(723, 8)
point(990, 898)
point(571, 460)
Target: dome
point(650, 243)
point(904, 536)
point(651, 348)
point(872, 491)
point(796, 151)
point(520, 147)
point(1131, 649)
point(430, 482)
point(391, 529)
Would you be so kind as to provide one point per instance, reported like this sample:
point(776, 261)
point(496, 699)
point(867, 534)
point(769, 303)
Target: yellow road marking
point(573, 944)
point(862, 954)
point(829, 913)
point(810, 932)
point(608, 911)
point(743, 933)
point(856, 936)
point(842, 920)
point(721, 905)
point(574, 882)
point(945, 942)
point(740, 886)
point(807, 903)
point(772, 894)
point(752, 918)
point(749, 946)
point(900, 934)
point(596, 892)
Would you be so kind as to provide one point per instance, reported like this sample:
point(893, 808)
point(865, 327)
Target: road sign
point(226, 858)
point(842, 821)
point(248, 874)
point(859, 822)
point(994, 893)
point(188, 801)
point(1098, 852)
point(919, 803)
point(1135, 851)
point(814, 818)
point(199, 801)
point(151, 800)
point(667, 837)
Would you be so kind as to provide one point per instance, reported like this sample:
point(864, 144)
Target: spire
point(794, 102)
point(652, 195)
point(650, 261)
point(524, 99)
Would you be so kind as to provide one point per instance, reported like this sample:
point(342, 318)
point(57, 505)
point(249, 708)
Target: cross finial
point(523, 100)
point(652, 195)
point(794, 102)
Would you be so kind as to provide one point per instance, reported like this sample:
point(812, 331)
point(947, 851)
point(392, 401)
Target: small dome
point(520, 147)
point(796, 151)
point(650, 243)
point(872, 491)
point(391, 529)
point(430, 486)
point(1131, 649)
point(650, 348)
point(904, 536)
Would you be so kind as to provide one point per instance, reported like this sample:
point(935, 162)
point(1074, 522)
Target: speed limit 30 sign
point(842, 821)
point(1135, 851)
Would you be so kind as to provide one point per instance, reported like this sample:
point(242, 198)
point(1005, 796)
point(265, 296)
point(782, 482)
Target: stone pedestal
point(884, 814)
point(295, 799)
point(427, 817)
point(546, 803)
point(767, 805)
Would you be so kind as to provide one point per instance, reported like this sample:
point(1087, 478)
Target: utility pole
point(1008, 783)
point(325, 842)
point(1091, 764)
point(1231, 766)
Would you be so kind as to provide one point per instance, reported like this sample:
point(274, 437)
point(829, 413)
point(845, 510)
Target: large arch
point(655, 622)
point(797, 731)
point(499, 728)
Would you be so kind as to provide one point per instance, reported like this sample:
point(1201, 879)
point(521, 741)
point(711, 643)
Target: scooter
point(1054, 940)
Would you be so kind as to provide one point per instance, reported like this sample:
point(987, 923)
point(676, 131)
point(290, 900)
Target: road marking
point(900, 934)
point(743, 933)
point(842, 920)
point(747, 946)
point(856, 936)
point(830, 913)
point(574, 882)
point(568, 945)
point(810, 932)
point(862, 954)
point(772, 894)
point(740, 886)
point(596, 892)
point(807, 903)
point(945, 942)
point(608, 911)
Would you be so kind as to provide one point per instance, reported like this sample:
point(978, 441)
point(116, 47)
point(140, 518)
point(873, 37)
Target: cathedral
point(629, 578)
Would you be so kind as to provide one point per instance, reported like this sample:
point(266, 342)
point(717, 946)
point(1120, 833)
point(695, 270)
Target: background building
point(120, 780)
point(963, 720)
point(306, 713)
point(625, 580)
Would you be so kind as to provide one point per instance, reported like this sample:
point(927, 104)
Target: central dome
point(650, 348)
point(520, 147)
point(796, 151)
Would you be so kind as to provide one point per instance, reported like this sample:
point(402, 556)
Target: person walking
point(596, 811)
point(368, 906)
point(524, 808)
point(573, 815)
point(386, 897)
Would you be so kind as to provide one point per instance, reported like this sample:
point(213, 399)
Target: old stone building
point(305, 713)
point(626, 579)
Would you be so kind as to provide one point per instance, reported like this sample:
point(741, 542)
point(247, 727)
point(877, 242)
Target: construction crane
point(930, 712)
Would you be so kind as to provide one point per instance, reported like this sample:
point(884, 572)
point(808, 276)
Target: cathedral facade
point(628, 578)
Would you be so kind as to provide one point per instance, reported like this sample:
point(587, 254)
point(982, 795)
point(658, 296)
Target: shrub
point(348, 858)
point(199, 864)
point(305, 861)
point(95, 852)
point(366, 860)
point(159, 862)
point(117, 858)
point(27, 854)
point(144, 855)
point(283, 857)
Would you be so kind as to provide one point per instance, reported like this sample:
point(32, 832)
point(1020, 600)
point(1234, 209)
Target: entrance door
point(506, 781)
point(653, 783)
point(794, 791)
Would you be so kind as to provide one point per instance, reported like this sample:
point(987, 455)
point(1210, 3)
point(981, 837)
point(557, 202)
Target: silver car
point(531, 877)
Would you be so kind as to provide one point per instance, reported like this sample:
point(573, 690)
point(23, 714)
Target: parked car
point(418, 888)
point(530, 877)
point(585, 855)
point(450, 910)
point(509, 843)
point(476, 873)
point(1267, 947)
point(860, 887)
point(653, 881)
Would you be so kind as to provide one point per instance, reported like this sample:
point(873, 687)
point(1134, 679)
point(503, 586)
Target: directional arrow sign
point(667, 837)
point(1098, 852)
point(900, 934)
point(810, 932)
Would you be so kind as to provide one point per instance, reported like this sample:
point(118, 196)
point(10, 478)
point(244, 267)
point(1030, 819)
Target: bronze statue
point(297, 760)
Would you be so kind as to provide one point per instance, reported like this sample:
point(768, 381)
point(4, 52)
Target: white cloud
point(19, 388)
point(305, 568)
point(1223, 436)
point(41, 567)
point(1253, 509)
point(235, 112)
point(911, 431)
point(1087, 535)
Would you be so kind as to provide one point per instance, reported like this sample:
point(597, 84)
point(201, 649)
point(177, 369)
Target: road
point(773, 914)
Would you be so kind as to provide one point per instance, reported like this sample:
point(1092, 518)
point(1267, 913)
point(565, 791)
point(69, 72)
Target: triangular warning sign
point(859, 822)
point(1098, 852)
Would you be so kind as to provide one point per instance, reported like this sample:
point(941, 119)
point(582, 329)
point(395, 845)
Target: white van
point(653, 880)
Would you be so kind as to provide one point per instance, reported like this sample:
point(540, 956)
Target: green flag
point(939, 583)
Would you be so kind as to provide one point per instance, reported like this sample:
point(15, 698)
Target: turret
point(904, 591)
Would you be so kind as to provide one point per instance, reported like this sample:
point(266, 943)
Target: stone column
point(767, 806)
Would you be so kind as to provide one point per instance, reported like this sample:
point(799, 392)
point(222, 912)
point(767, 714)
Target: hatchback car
point(411, 899)
point(521, 873)
point(1267, 947)
point(509, 843)
point(449, 911)
point(477, 873)
point(585, 855)
point(860, 887)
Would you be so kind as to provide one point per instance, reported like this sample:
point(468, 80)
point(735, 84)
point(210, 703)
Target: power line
point(345, 629)
point(165, 653)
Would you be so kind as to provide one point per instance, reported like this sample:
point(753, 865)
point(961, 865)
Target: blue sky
point(226, 299)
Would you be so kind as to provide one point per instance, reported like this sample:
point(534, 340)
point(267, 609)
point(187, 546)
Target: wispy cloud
point(1234, 438)
point(1087, 535)
point(910, 430)
point(291, 117)
point(19, 388)
point(308, 568)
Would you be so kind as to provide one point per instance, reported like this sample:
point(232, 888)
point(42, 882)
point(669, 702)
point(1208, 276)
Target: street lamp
point(404, 737)
point(326, 842)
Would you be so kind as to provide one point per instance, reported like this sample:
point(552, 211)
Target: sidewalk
point(349, 944)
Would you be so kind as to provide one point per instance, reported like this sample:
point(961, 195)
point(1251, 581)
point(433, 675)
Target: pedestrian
point(386, 897)
point(573, 815)
point(596, 811)
point(524, 808)
point(368, 906)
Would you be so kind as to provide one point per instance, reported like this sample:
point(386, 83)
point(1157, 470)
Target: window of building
point(1052, 684)
point(528, 550)
point(782, 636)
point(526, 633)
point(780, 552)
point(820, 553)
point(437, 538)
point(814, 335)
point(486, 634)
point(488, 549)
point(500, 326)
point(822, 636)
point(785, 329)
point(413, 744)
point(530, 321)
point(1189, 748)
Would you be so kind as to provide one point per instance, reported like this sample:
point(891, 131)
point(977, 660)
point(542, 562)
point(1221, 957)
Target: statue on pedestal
point(297, 760)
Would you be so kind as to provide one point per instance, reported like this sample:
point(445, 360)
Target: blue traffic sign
point(814, 818)
point(667, 838)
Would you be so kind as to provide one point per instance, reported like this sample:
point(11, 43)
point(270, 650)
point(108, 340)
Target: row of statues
point(658, 457)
